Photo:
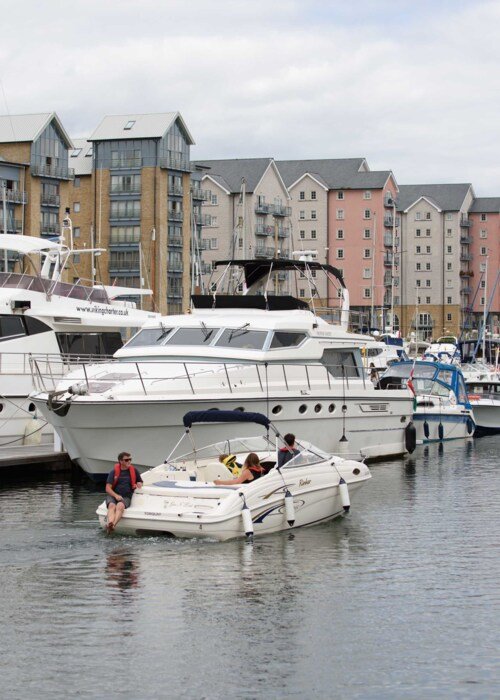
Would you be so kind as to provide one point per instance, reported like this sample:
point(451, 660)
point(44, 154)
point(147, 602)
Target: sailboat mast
point(485, 307)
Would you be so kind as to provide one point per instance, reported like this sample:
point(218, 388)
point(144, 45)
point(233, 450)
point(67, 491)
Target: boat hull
point(456, 424)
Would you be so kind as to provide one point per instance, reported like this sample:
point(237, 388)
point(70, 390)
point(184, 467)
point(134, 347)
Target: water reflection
point(122, 571)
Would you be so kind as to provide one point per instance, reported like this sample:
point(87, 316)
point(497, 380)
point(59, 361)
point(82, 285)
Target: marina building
point(484, 248)
point(433, 269)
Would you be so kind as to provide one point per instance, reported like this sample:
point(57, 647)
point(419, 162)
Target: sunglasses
point(127, 459)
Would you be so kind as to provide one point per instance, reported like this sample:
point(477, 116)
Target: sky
point(414, 87)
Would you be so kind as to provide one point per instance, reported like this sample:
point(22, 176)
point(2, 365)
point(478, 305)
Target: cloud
point(414, 89)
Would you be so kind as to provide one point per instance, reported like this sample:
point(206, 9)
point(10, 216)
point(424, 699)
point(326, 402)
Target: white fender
point(247, 520)
point(33, 431)
point(344, 495)
point(289, 508)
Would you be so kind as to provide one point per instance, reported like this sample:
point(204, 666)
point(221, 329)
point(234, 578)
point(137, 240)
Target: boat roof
point(270, 302)
point(214, 415)
point(26, 244)
point(255, 270)
point(422, 363)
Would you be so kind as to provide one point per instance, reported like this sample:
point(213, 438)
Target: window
point(484, 250)
point(484, 217)
point(76, 182)
point(448, 249)
point(448, 231)
point(313, 234)
point(214, 244)
point(427, 283)
point(214, 199)
point(448, 300)
point(130, 234)
point(449, 283)
point(448, 317)
point(302, 293)
point(483, 233)
point(129, 125)
point(75, 153)
point(128, 209)
point(313, 194)
point(482, 267)
point(302, 214)
point(428, 215)
point(76, 232)
point(302, 233)
point(367, 194)
point(449, 266)
point(418, 249)
point(418, 266)
point(284, 339)
point(367, 253)
point(427, 249)
point(340, 213)
point(367, 273)
point(427, 232)
point(483, 284)
point(482, 301)
point(240, 242)
point(418, 216)
point(417, 232)
point(313, 213)
point(340, 254)
point(427, 266)
point(427, 300)
point(340, 195)
point(302, 195)
point(367, 293)
point(76, 258)
point(367, 214)
point(367, 233)
point(213, 221)
point(76, 207)
point(418, 283)
point(448, 216)
point(340, 233)
point(419, 300)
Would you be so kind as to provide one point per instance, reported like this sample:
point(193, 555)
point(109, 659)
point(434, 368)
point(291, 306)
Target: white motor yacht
point(179, 498)
point(55, 322)
point(484, 396)
point(271, 354)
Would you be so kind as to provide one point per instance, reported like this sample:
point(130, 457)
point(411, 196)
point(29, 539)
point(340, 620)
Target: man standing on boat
point(286, 453)
point(122, 480)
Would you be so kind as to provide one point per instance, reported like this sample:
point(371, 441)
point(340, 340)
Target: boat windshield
point(192, 336)
point(309, 454)
point(235, 446)
point(430, 387)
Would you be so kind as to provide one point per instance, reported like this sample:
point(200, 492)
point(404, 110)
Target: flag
point(409, 384)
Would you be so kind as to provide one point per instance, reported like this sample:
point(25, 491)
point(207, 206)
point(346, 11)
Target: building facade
point(484, 247)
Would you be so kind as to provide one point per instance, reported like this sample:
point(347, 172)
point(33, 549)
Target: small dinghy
point(179, 498)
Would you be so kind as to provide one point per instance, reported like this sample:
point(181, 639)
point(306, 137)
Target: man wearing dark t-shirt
point(285, 454)
point(120, 485)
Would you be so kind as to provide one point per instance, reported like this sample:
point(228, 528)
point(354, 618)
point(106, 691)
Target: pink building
point(484, 216)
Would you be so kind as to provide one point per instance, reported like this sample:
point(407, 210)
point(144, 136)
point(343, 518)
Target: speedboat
point(256, 351)
point(179, 497)
point(54, 322)
point(442, 410)
point(484, 396)
point(444, 349)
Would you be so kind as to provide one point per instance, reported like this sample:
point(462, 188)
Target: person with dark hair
point(250, 471)
point(121, 483)
point(288, 452)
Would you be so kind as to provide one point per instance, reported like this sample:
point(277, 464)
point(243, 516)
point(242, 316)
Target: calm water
point(397, 600)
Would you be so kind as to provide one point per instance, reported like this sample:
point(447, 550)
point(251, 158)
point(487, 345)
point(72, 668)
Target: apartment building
point(247, 213)
point(34, 174)
point(434, 259)
point(484, 247)
point(84, 266)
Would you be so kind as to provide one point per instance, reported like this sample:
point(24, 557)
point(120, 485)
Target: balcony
point(388, 200)
point(59, 172)
point(387, 279)
point(264, 252)
point(388, 240)
point(466, 290)
point(175, 161)
point(466, 273)
point(124, 215)
point(202, 195)
point(465, 222)
point(283, 232)
point(174, 215)
point(176, 190)
point(465, 239)
point(124, 239)
point(263, 208)
point(283, 254)
point(13, 225)
point(202, 219)
point(204, 244)
point(174, 241)
point(174, 294)
point(280, 210)
point(206, 268)
point(50, 200)
point(13, 196)
point(125, 189)
point(49, 229)
point(466, 257)
point(388, 258)
point(390, 221)
point(175, 266)
point(261, 230)
point(126, 161)
point(128, 266)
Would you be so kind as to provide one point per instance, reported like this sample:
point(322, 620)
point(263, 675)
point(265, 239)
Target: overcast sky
point(412, 86)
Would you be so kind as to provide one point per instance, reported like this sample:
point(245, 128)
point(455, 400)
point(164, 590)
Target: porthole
point(31, 407)
point(240, 408)
point(331, 408)
point(318, 408)
point(403, 419)
point(277, 409)
point(1, 407)
point(356, 471)
point(303, 408)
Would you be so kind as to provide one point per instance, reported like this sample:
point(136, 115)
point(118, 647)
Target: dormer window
point(76, 152)
point(129, 125)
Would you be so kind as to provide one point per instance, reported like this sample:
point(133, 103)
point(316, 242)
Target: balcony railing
point(175, 162)
point(261, 230)
point(175, 241)
point(282, 276)
point(465, 222)
point(198, 193)
point(125, 162)
point(280, 210)
point(60, 172)
point(206, 269)
point(174, 215)
point(388, 258)
point(283, 254)
point(124, 238)
point(466, 290)
point(202, 219)
point(125, 266)
point(13, 196)
point(264, 252)
point(13, 225)
point(125, 189)
point(176, 190)
point(466, 257)
point(389, 221)
point(174, 294)
point(466, 273)
point(49, 229)
point(388, 200)
point(50, 200)
point(263, 208)
point(128, 215)
point(175, 266)
point(387, 279)
point(466, 240)
point(283, 232)
point(204, 244)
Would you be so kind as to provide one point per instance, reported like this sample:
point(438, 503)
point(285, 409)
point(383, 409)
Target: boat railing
point(266, 379)
point(53, 365)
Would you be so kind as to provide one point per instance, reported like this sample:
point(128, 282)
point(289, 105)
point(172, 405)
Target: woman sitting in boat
point(251, 470)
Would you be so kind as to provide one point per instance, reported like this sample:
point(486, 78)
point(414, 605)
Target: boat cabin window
point(11, 326)
point(89, 343)
point(149, 336)
point(445, 376)
point(373, 352)
point(282, 339)
point(429, 387)
point(242, 338)
point(340, 363)
point(192, 336)
point(462, 392)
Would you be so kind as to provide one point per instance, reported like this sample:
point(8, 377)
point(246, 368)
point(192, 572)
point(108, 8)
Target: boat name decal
point(304, 482)
point(104, 310)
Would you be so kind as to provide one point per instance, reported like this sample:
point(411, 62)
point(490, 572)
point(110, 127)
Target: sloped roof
point(144, 126)
point(19, 128)
point(334, 173)
point(448, 197)
point(232, 170)
point(485, 205)
point(80, 158)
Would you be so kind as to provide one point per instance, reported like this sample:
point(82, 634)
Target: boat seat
point(213, 470)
